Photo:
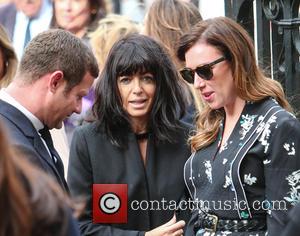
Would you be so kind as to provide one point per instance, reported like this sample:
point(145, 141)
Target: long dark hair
point(139, 54)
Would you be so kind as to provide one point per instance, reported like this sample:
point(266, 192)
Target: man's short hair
point(54, 50)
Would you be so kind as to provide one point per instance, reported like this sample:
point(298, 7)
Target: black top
point(93, 159)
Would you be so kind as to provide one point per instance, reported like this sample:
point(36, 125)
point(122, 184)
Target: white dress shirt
point(39, 24)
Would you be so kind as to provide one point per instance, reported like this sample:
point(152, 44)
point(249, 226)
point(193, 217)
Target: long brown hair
point(166, 22)
point(252, 85)
point(31, 203)
point(10, 58)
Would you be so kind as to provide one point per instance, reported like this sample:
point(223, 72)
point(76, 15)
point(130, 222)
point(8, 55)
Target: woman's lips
point(207, 96)
point(138, 104)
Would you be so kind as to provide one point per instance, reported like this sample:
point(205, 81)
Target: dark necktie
point(55, 157)
point(27, 34)
point(45, 133)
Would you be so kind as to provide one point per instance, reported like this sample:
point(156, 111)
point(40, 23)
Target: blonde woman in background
point(166, 22)
point(8, 59)
point(112, 27)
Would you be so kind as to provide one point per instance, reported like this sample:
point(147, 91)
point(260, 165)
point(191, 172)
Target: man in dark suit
point(24, 19)
point(55, 72)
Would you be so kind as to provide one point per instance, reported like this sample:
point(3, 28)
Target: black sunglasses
point(205, 71)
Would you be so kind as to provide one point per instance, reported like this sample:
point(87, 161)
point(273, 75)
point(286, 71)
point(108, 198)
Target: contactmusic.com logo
point(110, 203)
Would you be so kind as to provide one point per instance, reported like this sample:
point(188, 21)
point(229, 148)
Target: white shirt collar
point(10, 100)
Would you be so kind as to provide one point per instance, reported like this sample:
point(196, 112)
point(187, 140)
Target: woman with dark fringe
point(136, 140)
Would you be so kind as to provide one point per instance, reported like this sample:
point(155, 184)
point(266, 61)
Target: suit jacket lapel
point(25, 125)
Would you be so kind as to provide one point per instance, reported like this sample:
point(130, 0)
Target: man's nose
point(78, 107)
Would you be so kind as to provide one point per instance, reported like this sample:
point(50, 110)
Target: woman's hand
point(171, 228)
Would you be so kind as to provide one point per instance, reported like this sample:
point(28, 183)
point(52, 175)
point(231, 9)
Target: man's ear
point(56, 80)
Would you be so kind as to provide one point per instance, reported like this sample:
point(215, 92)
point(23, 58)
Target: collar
point(10, 100)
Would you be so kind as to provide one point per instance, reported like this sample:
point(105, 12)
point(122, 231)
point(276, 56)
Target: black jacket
point(26, 139)
point(94, 160)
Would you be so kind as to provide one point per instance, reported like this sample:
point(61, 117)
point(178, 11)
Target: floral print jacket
point(256, 173)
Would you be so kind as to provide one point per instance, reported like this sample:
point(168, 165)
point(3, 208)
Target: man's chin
point(57, 126)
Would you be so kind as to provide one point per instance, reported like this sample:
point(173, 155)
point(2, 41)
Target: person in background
point(8, 59)
point(32, 203)
point(195, 2)
point(78, 16)
point(136, 139)
point(166, 22)
point(24, 19)
point(55, 72)
point(134, 9)
point(112, 27)
point(244, 170)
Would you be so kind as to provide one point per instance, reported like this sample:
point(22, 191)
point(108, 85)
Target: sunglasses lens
point(205, 72)
point(187, 75)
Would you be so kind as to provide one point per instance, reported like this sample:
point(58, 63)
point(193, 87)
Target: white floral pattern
point(249, 180)
point(272, 160)
point(223, 147)
point(246, 124)
point(294, 183)
point(228, 181)
point(290, 148)
point(264, 138)
point(266, 161)
point(225, 233)
point(208, 170)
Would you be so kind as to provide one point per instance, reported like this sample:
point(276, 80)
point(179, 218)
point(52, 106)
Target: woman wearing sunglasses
point(244, 172)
